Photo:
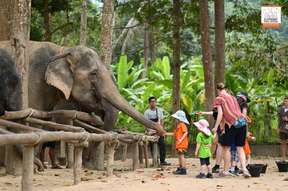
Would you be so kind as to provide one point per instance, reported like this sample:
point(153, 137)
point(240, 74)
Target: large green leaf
point(122, 72)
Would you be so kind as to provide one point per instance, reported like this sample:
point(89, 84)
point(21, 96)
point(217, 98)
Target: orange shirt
point(178, 134)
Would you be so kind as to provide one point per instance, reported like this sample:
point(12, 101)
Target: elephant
point(74, 76)
point(9, 84)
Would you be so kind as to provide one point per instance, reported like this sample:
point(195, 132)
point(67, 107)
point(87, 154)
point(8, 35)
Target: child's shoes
point(209, 175)
point(201, 176)
point(180, 171)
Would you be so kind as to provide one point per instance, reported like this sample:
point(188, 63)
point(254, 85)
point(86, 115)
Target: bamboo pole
point(155, 154)
point(135, 157)
point(110, 158)
point(27, 174)
point(77, 164)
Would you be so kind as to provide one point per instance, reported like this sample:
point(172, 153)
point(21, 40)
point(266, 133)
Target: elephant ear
point(59, 75)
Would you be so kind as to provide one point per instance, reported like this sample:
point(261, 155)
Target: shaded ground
point(150, 180)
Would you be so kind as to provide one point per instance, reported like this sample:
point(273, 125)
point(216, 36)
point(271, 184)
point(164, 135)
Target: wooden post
point(124, 152)
point(146, 154)
point(62, 155)
point(27, 174)
point(141, 146)
point(110, 158)
point(70, 155)
point(135, 155)
point(100, 151)
point(77, 164)
point(155, 154)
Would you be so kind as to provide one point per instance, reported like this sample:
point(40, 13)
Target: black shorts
point(235, 136)
point(205, 161)
point(283, 136)
point(51, 144)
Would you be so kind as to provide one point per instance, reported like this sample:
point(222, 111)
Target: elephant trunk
point(120, 103)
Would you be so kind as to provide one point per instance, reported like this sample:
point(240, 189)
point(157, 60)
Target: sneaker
point(216, 169)
point(165, 164)
point(209, 175)
point(246, 174)
point(201, 176)
point(234, 172)
point(226, 174)
point(180, 171)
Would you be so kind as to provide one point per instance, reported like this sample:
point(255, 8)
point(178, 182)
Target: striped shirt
point(230, 107)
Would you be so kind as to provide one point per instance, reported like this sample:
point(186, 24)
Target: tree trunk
point(20, 34)
point(176, 60)
point(46, 15)
point(83, 26)
point(146, 49)
point(107, 31)
point(206, 54)
point(152, 48)
point(219, 42)
point(5, 11)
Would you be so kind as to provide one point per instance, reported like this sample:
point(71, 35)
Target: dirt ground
point(150, 180)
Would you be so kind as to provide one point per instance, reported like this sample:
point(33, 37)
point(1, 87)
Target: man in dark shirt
point(283, 127)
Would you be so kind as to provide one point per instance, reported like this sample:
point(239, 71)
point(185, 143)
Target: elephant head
point(79, 73)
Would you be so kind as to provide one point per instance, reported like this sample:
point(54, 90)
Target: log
point(141, 153)
point(155, 155)
point(39, 137)
point(110, 158)
point(10, 124)
point(54, 125)
point(77, 168)
point(146, 154)
point(72, 114)
point(4, 131)
point(27, 174)
point(135, 156)
point(11, 115)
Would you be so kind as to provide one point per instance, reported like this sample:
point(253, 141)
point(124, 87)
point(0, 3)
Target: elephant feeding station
point(28, 132)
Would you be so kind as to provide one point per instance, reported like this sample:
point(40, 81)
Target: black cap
point(244, 94)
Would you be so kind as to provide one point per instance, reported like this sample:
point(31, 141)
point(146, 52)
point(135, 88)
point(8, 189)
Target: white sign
point(270, 14)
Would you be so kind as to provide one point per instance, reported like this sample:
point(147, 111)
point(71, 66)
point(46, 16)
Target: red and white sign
point(271, 16)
